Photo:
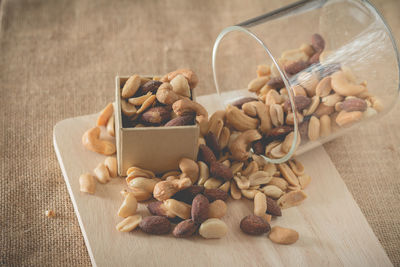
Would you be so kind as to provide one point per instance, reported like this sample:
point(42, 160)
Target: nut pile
point(194, 197)
point(149, 101)
point(326, 95)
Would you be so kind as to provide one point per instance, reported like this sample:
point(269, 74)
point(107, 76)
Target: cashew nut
point(189, 168)
point(188, 74)
point(239, 147)
point(105, 115)
point(263, 115)
point(127, 108)
point(256, 84)
point(240, 121)
point(186, 106)
point(224, 137)
point(166, 189)
point(111, 126)
point(343, 86)
point(166, 95)
point(91, 140)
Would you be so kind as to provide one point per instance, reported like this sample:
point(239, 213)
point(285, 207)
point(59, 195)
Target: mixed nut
point(194, 197)
point(149, 101)
point(327, 97)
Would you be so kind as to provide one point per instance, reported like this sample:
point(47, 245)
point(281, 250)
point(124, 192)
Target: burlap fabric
point(58, 59)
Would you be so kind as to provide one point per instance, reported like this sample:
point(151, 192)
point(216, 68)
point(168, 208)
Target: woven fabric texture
point(58, 59)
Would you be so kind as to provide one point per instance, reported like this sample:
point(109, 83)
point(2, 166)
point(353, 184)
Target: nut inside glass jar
point(318, 82)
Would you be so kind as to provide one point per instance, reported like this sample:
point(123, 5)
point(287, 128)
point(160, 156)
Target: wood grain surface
point(332, 229)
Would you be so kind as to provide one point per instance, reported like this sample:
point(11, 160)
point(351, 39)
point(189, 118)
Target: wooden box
point(154, 148)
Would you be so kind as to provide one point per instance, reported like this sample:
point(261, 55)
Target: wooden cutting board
point(333, 231)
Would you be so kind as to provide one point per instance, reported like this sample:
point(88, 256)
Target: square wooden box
point(154, 148)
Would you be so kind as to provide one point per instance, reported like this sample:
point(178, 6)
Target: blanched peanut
point(101, 173)
point(249, 193)
point(213, 228)
point(325, 125)
point(235, 192)
point(180, 209)
point(217, 209)
point(204, 173)
point(141, 182)
point(283, 236)
point(225, 186)
point(129, 223)
point(141, 194)
point(313, 128)
point(111, 164)
point(189, 168)
point(304, 180)
point(279, 182)
point(131, 86)
point(212, 183)
point(260, 204)
point(272, 191)
point(129, 206)
point(87, 183)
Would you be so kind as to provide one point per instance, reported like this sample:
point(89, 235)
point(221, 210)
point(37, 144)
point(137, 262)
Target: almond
point(187, 195)
point(273, 207)
point(219, 170)
point(214, 194)
point(200, 207)
point(185, 228)
point(212, 143)
point(276, 83)
point(157, 208)
point(181, 121)
point(317, 42)
point(354, 104)
point(206, 155)
point(301, 102)
point(239, 103)
point(296, 67)
point(155, 225)
point(254, 225)
point(150, 86)
point(156, 115)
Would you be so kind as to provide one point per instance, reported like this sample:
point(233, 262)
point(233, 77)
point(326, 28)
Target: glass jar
point(334, 62)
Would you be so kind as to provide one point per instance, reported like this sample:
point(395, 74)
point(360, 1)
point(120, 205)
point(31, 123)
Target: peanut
point(213, 228)
point(180, 209)
point(260, 204)
point(217, 209)
point(111, 164)
point(129, 206)
point(87, 183)
point(102, 173)
point(283, 236)
point(129, 223)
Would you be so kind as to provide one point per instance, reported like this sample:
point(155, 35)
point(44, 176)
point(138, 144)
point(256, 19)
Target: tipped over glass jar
point(320, 67)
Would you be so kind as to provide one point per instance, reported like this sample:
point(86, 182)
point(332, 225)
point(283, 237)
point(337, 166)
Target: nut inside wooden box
point(154, 148)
